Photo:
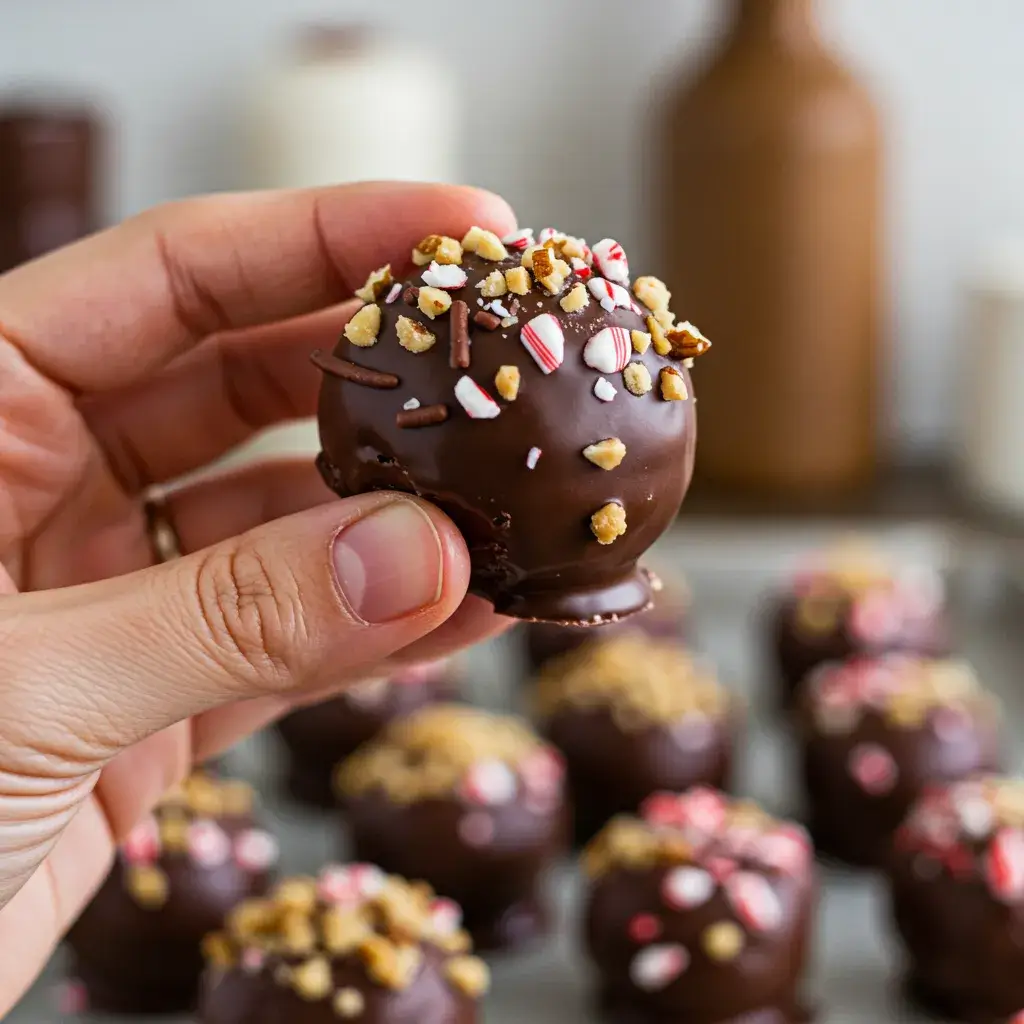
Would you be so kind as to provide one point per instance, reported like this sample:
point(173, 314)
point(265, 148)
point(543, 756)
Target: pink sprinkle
point(208, 844)
point(449, 276)
point(490, 783)
point(580, 268)
point(533, 457)
point(445, 916)
point(519, 240)
point(687, 887)
point(608, 350)
point(142, 845)
point(604, 389)
point(478, 403)
point(396, 290)
point(1004, 865)
point(643, 928)
point(476, 829)
point(610, 295)
point(543, 339)
point(754, 900)
point(873, 768)
point(256, 850)
point(610, 260)
point(656, 967)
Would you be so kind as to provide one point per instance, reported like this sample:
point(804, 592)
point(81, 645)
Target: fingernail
point(389, 564)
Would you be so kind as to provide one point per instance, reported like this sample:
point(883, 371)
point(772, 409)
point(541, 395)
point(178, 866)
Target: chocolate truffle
point(538, 396)
point(701, 911)
point(631, 716)
point(318, 737)
point(136, 947)
point(351, 945)
point(469, 801)
point(957, 889)
point(665, 619)
point(874, 733)
point(852, 602)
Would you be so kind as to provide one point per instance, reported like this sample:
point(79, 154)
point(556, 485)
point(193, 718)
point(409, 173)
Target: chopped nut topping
point(297, 933)
point(437, 247)
point(542, 263)
point(363, 328)
point(652, 292)
point(218, 951)
point(686, 341)
point(665, 317)
point(494, 285)
point(413, 336)
point(390, 964)
point(469, 974)
point(433, 301)
point(518, 281)
point(312, 979)
point(607, 454)
point(608, 523)
point(526, 259)
point(661, 343)
point(723, 941)
point(550, 273)
point(449, 250)
point(376, 283)
point(485, 244)
point(343, 929)
point(573, 247)
point(296, 894)
point(506, 381)
point(673, 387)
point(637, 379)
point(641, 341)
point(576, 300)
point(173, 831)
point(349, 1003)
point(147, 885)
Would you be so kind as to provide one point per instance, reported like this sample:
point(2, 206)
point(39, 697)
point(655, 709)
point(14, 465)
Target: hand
point(126, 361)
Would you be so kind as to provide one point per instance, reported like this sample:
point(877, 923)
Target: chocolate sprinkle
point(353, 372)
point(411, 296)
point(459, 319)
point(424, 416)
point(487, 320)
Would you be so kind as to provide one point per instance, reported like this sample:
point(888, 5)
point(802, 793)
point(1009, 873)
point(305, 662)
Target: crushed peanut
point(608, 523)
point(437, 247)
point(363, 328)
point(529, 252)
point(296, 894)
point(469, 974)
point(665, 317)
point(312, 980)
point(449, 250)
point(376, 283)
point(686, 341)
point(506, 381)
point(555, 281)
point(573, 247)
point(641, 341)
point(518, 281)
point(637, 379)
point(661, 343)
point(652, 292)
point(485, 244)
point(652, 681)
point(349, 1003)
point(217, 950)
point(673, 387)
point(427, 754)
point(433, 301)
point(577, 298)
point(343, 930)
point(173, 827)
point(607, 454)
point(493, 285)
point(147, 885)
point(413, 336)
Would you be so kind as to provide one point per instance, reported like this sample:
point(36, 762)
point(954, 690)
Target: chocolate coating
point(134, 960)
point(320, 736)
point(533, 553)
point(239, 997)
point(964, 945)
point(862, 775)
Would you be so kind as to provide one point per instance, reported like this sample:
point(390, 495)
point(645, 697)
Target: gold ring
point(162, 535)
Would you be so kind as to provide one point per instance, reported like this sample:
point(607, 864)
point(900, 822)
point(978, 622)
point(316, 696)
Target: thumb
point(302, 602)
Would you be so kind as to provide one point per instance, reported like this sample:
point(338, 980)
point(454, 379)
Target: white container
point(990, 443)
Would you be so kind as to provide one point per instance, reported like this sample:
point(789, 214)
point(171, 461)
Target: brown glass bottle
point(771, 201)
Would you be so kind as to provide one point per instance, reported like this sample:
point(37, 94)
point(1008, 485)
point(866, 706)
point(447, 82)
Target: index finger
point(110, 309)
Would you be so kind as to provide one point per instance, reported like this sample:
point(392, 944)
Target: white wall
point(949, 72)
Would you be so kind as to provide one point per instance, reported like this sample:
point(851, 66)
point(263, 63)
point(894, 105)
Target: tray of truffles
point(715, 793)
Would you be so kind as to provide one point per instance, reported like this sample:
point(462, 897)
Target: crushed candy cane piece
point(445, 916)
point(548, 235)
point(755, 901)
point(444, 275)
point(608, 350)
point(396, 290)
point(687, 887)
point(412, 403)
point(656, 967)
point(533, 457)
point(478, 403)
point(1004, 865)
point(610, 260)
point(873, 768)
point(609, 294)
point(604, 389)
point(580, 268)
point(208, 844)
point(256, 850)
point(519, 240)
point(544, 340)
point(490, 782)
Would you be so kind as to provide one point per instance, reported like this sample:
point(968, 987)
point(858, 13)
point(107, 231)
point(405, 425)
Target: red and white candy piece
point(544, 340)
point(445, 916)
point(449, 276)
point(657, 966)
point(608, 350)
point(720, 868)
point(609, 294)
point(142, 846)
point(787, 849)
point(519, 240)
point(756, 904)
point(547, 234)
point(396, 290)
point(873, 768)
point(208, 844)
point(349, 883)
point(663, 809)
point(604, 389)
point(489, 783)
point(478, 403)
point(610, 260)
point(581, 268)
point(643, 928)
point(533, 457)
point(1017, 1018)
point(1004, 865)
point(687, 887)
point(543, 772)
point(256, 850)
point(875, 617)
point(704, 809)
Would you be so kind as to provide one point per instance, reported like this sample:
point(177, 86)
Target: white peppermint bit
point(532, 458)
point(413, 403)
point(444, 275)
point(396, 290)
point(604, 389)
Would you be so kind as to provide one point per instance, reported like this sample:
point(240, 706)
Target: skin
point(126, 361)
